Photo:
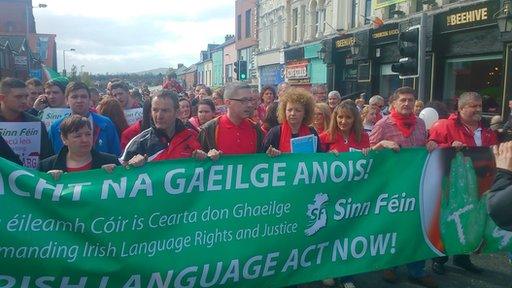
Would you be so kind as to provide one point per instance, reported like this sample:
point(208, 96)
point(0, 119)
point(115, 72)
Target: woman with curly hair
point(346, 130)
point(295, 113)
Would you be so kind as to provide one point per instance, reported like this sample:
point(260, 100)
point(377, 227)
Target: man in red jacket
point(462, 129)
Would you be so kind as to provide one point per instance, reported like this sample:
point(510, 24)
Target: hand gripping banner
point(244, 221)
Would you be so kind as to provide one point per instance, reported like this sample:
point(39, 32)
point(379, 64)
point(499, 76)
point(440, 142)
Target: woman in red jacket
point(346, 130)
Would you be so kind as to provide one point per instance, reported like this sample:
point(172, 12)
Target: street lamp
point(64, 59)
point(503, 18)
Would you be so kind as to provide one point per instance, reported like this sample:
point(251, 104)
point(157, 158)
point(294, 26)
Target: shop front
point(384, 52)
point(351, 69)
point(271, 75)
point(470, 56)
point(304, 69)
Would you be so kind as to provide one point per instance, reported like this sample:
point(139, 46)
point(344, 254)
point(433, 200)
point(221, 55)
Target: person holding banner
point(234, 132)
point(462, 129)
point(346, 130)
point(105, 134)
point(54, 95)
point(168, 138)
point(295, 113)
point(13, 101)
point(403, 129)
point(77, 154)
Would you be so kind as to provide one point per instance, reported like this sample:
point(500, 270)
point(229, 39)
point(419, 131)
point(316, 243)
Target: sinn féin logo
point(317, 214)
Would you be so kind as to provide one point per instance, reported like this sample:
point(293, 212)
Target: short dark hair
point(268, 87)
point(72, 124)
point(168, 94)
point(120, 85)
point(34, 82)
point(74, 86)
point(11, 83)
point(207, 102)
point(401, 90)
point(60, 84)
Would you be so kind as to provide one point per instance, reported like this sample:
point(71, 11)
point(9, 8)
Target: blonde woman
point(321, 117)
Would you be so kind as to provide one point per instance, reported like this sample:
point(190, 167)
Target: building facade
point(246, 36)
point(16, 17)
point(271, 31)
point(465, 51)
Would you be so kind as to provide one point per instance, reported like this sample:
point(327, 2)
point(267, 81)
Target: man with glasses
point(234, 133)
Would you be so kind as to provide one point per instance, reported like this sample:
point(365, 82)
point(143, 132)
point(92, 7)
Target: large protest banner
point(243, 221)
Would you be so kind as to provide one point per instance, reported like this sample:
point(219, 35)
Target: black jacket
point(7, 153)
point(58, 162)
point(150, 141)
point(46, 145)
point(500, 199)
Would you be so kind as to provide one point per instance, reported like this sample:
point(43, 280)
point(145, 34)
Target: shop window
point(248, 23)
point(239, 27)
point(354, 15)
point(479, 74)
point(367, 11)
point(388, 81)
point(295, 26)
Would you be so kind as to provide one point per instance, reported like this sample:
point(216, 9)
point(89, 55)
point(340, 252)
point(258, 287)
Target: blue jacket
point(105, 133)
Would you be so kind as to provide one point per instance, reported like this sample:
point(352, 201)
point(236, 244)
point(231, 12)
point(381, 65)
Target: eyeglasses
point(243, 100)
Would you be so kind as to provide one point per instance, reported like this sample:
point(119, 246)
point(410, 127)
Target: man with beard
point(462, 129)
point(234, 132)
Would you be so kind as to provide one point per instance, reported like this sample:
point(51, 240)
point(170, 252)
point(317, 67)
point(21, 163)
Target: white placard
point(133, 115)
point(51, 115)
point(24, 138)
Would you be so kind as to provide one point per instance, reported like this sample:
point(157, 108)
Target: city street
point(498, 274)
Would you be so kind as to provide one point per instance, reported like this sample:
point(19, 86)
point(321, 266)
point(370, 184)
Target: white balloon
point(430, 116)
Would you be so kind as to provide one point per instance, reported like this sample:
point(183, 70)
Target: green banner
point(242, 221)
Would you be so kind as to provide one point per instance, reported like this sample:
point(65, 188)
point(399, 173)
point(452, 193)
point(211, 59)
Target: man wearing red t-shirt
point(234, 133)
point(462, 129)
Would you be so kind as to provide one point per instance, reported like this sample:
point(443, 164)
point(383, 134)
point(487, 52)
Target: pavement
point(497, 274)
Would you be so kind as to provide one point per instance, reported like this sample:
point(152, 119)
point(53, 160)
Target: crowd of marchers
point(202, 123)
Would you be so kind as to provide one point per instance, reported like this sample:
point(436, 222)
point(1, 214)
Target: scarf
point(286, 136)
point(405, 124)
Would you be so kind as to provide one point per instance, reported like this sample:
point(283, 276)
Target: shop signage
point(297, 70)
point(345, 42)
point(377, 4)
point(473, 16)
point(386, 33)
point(20, 60)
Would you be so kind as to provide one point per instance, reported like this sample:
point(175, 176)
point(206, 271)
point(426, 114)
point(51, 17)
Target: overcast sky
point(132, 36)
